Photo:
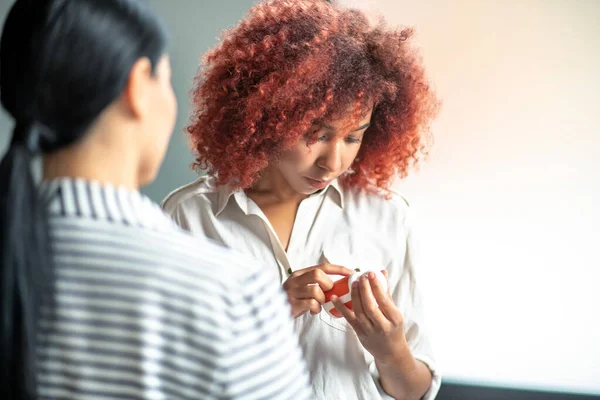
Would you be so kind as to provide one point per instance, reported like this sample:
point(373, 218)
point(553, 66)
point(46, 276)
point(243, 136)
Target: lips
point(317, 184)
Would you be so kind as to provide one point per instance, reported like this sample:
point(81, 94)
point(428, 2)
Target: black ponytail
point(26, 268)
point(61, 63)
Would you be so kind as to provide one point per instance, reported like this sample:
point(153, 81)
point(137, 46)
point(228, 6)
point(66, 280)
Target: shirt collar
point(333, 190)
point(76, 197)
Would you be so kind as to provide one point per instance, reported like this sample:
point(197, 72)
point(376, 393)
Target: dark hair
point(61, 63)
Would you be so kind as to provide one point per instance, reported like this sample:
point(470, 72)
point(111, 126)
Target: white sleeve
point(405, 292)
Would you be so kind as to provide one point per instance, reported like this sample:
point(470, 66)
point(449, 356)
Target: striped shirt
point(143, 310)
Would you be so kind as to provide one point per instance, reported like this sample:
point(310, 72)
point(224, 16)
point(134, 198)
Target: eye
point(322, 138)
point(353, 140)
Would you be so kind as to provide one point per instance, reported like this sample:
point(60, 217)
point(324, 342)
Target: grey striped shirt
point(143, 310)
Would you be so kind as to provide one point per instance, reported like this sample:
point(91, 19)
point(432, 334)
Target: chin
point(147, 177)
point(307, 190)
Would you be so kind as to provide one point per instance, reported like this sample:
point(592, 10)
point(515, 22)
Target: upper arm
point(407, 296)
point(404, 283)
point(264, 358)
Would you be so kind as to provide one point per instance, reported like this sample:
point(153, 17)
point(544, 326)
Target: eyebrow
point(360, 128)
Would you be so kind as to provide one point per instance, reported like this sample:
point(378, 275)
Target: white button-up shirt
point(338, 225)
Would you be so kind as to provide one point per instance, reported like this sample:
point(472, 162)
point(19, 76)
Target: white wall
point(509, 201)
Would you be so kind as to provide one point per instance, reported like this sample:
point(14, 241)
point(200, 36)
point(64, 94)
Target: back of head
point(62, 62)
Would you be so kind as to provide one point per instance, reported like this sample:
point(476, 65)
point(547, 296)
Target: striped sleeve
point(264, 360)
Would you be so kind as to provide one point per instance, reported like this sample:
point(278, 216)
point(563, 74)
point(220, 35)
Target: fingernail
point(363, 278)
point(372, 276)
point(355, 284)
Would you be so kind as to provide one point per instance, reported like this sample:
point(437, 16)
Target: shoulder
point(201, 263)
point(382, 206)
point(194, 195)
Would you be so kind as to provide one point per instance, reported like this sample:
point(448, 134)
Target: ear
point(136, 94)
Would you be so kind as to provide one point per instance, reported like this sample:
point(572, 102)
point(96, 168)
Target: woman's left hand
point(377, 321)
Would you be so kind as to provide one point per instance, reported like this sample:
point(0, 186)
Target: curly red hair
point(291, 64)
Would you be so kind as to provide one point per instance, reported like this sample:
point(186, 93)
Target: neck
point(108, 160)
point(272, 185)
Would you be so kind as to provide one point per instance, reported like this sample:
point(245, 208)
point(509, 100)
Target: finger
point(325, 267)
point(369, 303)
point(387, 278)
point(335, 269)
point(315, 275)
point(296, 306)
point(359, 311)
point(384, 299)
point(308, 292)
point(347, 313)
point(314, 307)
point(325, 281)
point(302, 306)
point(297, 309)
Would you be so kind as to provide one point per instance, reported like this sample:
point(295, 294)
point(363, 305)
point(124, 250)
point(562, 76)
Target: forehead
point(346, 122)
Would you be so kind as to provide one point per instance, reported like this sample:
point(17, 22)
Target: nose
point(331, 159)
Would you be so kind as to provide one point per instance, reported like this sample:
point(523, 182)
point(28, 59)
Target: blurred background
point(509, 199)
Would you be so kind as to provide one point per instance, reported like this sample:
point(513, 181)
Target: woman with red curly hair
point(303, 117)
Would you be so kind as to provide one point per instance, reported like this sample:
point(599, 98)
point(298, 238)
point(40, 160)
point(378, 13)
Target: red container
point(343, 289)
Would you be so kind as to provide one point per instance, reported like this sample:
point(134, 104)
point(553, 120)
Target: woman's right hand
point(305, 287)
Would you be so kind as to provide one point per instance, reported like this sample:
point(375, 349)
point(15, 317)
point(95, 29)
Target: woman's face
point(310, 168)
point(160, 120)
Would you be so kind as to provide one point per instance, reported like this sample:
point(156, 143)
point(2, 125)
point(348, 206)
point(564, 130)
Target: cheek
point(163, 119)
point(350, 156)
point(296, 163)
point(299, 157)
point(171, 106)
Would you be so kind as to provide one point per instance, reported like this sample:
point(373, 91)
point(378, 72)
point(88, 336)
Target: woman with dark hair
point(303, 116)
point(101, 295)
